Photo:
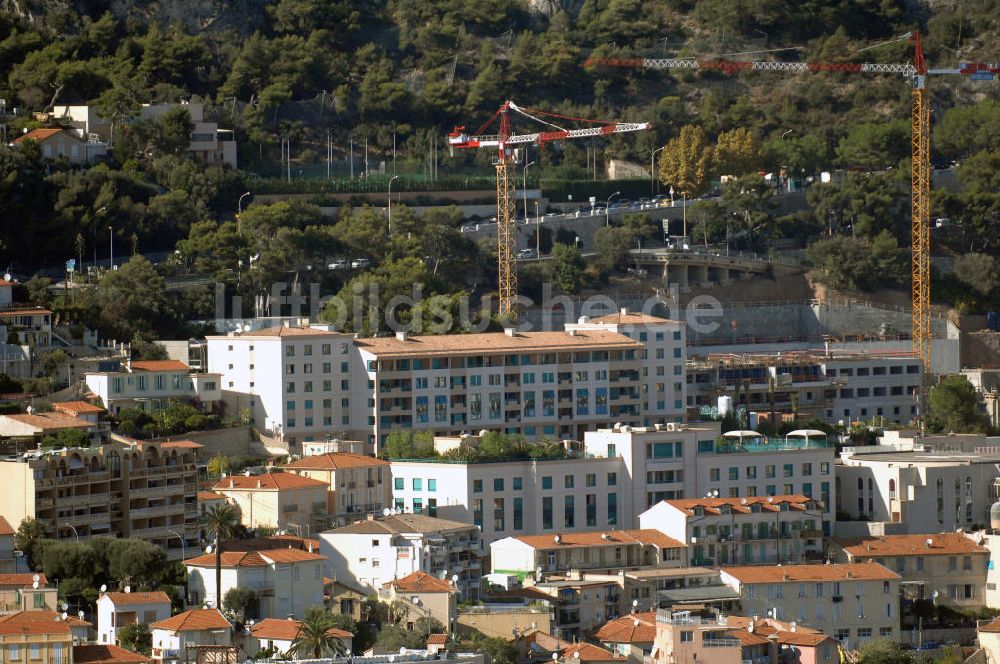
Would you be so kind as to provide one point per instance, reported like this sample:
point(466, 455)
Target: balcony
point(158, 510)
point(810, 534)
point(721, 643)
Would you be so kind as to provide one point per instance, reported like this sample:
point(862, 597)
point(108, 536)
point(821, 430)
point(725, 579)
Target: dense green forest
point(403, 73)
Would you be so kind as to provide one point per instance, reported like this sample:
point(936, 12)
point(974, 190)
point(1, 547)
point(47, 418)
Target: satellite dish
point(386, 512)
point(65, 605)
point(104, 588)
point(208, 549)
point(576, 655)
point(36, 578)
point(750, 626)
point(555, 657)
point(80, 614)
point(34, 584)
point(128, 589)
point(402, 651)
point(65, 615)
point(7, 276)
point(934, 595)
point(635, 623)
point(454, 578)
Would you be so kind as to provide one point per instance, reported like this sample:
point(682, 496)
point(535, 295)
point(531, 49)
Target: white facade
point(151, 386)
point(287, 581)
point(116, 610)
point(374, 552)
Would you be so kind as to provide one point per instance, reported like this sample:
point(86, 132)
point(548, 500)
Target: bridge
point(702, 269)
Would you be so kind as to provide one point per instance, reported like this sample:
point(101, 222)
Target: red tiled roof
point(22, 580)
point(911, 545)
point(210, 495)
point(94, 653)
point(77, 407)
point(335, 461)
point(606, 538)
point(290, 556)
point(421, 582)
point(5, 527)
point(193, 620)
point(287, 630)
point(154, 597)
point(633, 628)
point(44, 615)
point(796, 573)
point(302, 542)
point(739, 505)
point(437, 639)
point(266, 482)
point(990, 627)
point(588, 652)
point(630, 318)
point(50, 421)
point(41, 134)
point(37, 622)
point(21, 311)
point(159, 365)
point(229, 559)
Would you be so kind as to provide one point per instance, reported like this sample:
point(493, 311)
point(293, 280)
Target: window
point(498, 514)
point(769, 471)
point(518, 513)
point(612, 479)
point(517, 482)
point(547, 482)
point(418, 484)
point(788, 470)
point(807, 469)
point(734, 474)
point(569, 481)
point(477, 486)
point(477, 512)
point(864, 632)
point(952, 563)
point(687, 636)
point(569, 511)
point(967, 563)
point(498, 484)
point(920, 563)
point(713, 474)
point(612, 509)
point(842, 634)
point(751, 472)
point(547, 513)
point(590, 479)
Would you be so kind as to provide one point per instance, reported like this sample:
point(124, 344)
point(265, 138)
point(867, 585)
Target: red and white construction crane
point(505, 143)
point(916, 73)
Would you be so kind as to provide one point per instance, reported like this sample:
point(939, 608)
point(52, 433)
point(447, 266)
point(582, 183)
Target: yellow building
point(424, 596)
point(357, 485)
point(26, 640)
point(277, 500)
point(145, 490)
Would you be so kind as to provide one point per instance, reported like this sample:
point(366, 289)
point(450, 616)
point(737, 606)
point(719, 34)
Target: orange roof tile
point(335, 461)
point(5, 527)
point(287, 630)
point(267, 482)
point(631, 318)
point(94, 653)
point(37, 622)
point(588, 652)
point(911, 545)
point(739, 505)
point(193, 620)
point(181, 445)
point(606, 538)
point(50, 421)
point(794, 573)
point(421, 582)
point(22, 311)
point(494, 343)
point(303, 542)
point(43, 615)
point(42, 134)
point(633, 628)
point(228, 559)
point(437, 639)
point(159, 365)
point(799, 638)
point(210, 495)
point(289, 556)
point(155, 597)
point(77, 407)
point(21, 580)
point(992, 627)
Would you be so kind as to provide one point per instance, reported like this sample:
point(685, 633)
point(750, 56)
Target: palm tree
point(315, 640)
point(221, 521)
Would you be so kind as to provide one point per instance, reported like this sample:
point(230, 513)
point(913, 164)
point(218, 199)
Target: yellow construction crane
point(917, 73)
point(505, 142)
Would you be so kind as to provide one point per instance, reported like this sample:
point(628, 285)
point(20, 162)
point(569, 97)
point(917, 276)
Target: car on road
point(360, 263)
point(469, 228)
point(338, 264)
point(526, 254)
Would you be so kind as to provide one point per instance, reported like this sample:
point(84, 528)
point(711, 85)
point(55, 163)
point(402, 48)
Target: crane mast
point(506, 157)
point(917, 72)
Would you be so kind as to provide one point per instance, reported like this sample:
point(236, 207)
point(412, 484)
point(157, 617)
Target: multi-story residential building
point(208, 143)
point(691, 460)
point(200, 627)
point(835, 386)
point(375, 551)
point(952, 565)
point(26, 592)
point(853, 603)
point(525, 555)
point(8, 563)
point(32, 428)
point(299, 384)
point(630, 636)
point(150, 386)
point(664, 587)
point(582, 604)
point(715, 639)
point(36, 637)
point(277, 500)
point(116, 610)
point(145, 490)
point(357, 485)
point(537, 384)
point(918, 484)
point(664, 387)
point(79, 409)
point(507, 498)
point(280, 634)
point(423, 596)
point(724, 531)
point(287, 581)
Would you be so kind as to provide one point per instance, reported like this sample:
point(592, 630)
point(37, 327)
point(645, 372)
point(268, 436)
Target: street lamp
point(239, 210)
point(183, 545)
point(607, 208)
point(524, 191)
point(652, 169)
point(73, 528)
point(390, 203)
point(538, 233)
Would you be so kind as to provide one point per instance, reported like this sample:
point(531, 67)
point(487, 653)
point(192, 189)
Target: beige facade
point(583, 604)
point(36, 638)
point(145, 490)
point(277, 500)
point(357, 485)
point(502, 623)
point(151, 385)
point(949, 564)
point(423, 596)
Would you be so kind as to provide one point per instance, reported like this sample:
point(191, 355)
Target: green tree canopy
point(953, 406)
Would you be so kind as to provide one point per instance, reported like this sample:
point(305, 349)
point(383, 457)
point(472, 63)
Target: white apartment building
point(664, 388)
point(150, 385)
point(116, 610)
point(287, 581)
point(834, 386)
point(298, 383)
point(376, 551)
point(920, 485)
point(203, 627)
point(745, 531)
point(853, 603)
point(208, 143)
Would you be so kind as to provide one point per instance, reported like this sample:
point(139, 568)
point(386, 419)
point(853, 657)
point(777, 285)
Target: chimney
point(850, 574)
point(286, 323)
point(310, 547)
point(401, 335)
point(571, 332)
point(624, 311)
point(509, 331)
point(259, 485)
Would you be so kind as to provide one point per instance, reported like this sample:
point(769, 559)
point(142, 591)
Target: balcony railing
point(721, 643)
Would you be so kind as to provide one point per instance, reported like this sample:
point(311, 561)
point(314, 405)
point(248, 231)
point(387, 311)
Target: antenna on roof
point(128, 589)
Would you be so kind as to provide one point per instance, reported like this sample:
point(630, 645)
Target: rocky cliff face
point(214, 16)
